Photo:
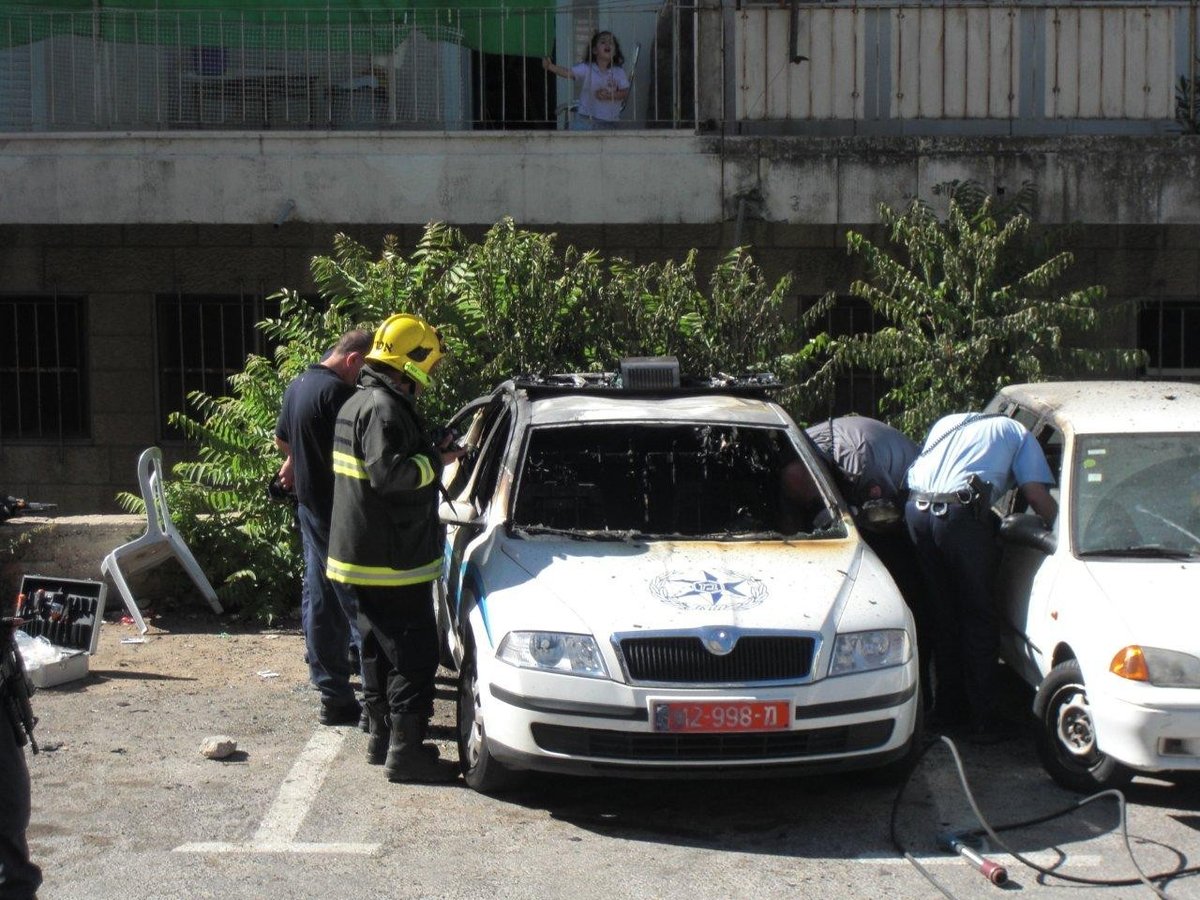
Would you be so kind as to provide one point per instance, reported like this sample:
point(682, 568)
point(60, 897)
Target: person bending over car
point(968, 459)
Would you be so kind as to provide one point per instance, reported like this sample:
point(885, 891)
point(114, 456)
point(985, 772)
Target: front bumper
point(1158, 736)
point(557, 723)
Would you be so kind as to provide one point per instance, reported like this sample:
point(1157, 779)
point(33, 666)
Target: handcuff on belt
point(939, 504)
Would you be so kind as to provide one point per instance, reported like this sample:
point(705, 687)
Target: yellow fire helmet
point(408, 344)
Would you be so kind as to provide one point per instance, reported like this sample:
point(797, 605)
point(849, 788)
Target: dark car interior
point(656, 479)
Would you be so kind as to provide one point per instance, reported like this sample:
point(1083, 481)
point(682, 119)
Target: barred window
point(1169, 332)
point(202, 340)
point(43, 368)
point(856, 391)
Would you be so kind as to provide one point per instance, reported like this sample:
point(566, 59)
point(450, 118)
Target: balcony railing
point(439, 68)
point(847, 67)
point(966, 67)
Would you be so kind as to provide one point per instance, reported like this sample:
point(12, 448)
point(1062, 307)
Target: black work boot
point(379, 731)
point(406, 758)
point(339, 712)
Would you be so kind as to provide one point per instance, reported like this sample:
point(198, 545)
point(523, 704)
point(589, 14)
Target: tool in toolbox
point(63, 618)
point(67, 613)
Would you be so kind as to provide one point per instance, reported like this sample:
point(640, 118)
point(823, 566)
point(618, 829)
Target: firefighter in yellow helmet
point(385, 539)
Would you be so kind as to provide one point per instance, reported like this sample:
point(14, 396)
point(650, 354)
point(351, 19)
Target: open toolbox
point(67, 612)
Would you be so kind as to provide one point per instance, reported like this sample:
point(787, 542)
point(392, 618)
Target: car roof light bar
point(649, 373)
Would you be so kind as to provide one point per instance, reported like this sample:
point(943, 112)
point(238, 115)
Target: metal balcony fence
point(1029, 67)
point(838, 67)
point(437, 68)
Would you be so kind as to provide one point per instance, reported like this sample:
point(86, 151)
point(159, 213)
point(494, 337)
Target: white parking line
point(279, 827)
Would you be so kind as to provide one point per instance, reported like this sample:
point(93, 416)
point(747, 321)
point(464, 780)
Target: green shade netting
point(490, 26)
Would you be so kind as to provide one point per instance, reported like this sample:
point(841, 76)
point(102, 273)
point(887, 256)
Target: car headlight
point(553, 651)
point(861, 651)
point(1161, 668)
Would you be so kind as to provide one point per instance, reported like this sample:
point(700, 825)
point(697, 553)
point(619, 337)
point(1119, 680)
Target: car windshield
point(1137, 495)
point(616, 480)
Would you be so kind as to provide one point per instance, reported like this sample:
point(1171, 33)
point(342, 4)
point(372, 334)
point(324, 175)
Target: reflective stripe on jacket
point(384, 531)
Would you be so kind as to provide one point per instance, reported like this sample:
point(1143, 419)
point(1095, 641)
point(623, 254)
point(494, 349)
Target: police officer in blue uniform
point(969, 459)
point(870, 461)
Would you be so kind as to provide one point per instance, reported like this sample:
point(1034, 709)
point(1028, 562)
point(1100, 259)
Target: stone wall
point(73, 547)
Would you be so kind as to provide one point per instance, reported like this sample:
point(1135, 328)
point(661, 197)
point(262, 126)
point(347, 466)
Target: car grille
point(685, 660)
point(633, 745)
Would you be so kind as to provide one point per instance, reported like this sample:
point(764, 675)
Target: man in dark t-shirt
point(304, 433)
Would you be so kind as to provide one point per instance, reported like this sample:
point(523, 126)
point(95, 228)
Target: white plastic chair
point(160, 541)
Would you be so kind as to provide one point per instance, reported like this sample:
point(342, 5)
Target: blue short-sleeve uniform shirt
point(998, 449)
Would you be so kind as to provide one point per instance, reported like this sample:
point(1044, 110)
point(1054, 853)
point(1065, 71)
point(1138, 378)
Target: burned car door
point(471, 490)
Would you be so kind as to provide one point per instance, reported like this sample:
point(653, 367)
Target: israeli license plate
point(721, 715)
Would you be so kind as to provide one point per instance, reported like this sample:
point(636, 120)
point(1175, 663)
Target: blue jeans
point(328, 613)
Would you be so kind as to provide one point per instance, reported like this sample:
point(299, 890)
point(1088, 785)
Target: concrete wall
point(551, 178)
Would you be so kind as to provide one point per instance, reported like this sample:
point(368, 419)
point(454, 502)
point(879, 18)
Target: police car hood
point(610, 586)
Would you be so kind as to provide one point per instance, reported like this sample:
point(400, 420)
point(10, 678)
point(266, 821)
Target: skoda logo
point(720, 641)
point(709, 589)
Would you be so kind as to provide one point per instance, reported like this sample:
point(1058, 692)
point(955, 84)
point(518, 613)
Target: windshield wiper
point(580, 534)
point(1145, 551)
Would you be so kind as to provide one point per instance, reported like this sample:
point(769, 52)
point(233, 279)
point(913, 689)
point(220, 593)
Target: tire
point(1066, 741)
point(480, 770)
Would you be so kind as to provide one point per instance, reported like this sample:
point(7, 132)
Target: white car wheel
point(1067, 735)
point(480, 769)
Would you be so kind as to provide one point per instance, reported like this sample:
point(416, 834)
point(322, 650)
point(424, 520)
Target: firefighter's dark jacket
point(385, 530)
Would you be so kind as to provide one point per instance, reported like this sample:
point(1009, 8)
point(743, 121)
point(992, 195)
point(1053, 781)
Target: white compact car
point(628, 592)
point(1102, 612)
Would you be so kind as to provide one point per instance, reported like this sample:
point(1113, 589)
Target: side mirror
point(1028, 530)
point(457, 512)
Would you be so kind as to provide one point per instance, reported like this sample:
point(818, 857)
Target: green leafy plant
point(969, 303)
point(512, 303)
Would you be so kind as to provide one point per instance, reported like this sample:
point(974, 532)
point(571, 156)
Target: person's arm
point(285, 469)
point(618, 94)
point(550, 66)
point(620, 89)
point(1040, 501)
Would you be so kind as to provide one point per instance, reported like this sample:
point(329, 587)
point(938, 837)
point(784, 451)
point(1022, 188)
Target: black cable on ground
point(991, 832)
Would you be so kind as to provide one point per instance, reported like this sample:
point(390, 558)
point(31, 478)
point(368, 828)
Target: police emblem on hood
point(708, 589)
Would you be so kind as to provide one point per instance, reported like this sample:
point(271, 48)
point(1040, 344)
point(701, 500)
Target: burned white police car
point(651, 576)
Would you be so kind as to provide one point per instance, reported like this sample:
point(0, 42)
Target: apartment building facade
point(166, 167)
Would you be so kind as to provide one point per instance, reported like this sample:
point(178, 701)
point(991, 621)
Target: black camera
point(445, 438)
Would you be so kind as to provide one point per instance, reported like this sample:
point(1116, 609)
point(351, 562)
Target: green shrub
point(513, 303)
point(968, 304)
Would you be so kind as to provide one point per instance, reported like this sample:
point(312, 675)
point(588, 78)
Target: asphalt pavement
point(126, 807)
